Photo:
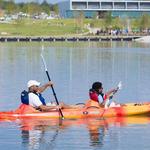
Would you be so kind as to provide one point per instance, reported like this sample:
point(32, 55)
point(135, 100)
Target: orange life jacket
point(90, 103)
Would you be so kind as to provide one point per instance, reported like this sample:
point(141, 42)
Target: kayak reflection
point(37, 133)
point(97, 131)
point(47, 133)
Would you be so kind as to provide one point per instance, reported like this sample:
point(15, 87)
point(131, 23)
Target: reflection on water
point(35, 139)
point(40, 136)
point(45, 134)
point(97, 132)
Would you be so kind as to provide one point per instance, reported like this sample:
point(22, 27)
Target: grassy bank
point(30, 27)
point(56, 27)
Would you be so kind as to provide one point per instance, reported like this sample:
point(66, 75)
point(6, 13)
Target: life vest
point(92, 103)
point(25, 97)
point(95, 96)
point(25, 109)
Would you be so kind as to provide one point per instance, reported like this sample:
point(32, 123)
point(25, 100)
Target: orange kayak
point(128, 109)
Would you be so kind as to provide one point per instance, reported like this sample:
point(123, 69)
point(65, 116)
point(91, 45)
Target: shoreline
point(66, 38)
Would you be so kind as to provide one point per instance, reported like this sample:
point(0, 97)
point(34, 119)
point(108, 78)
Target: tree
point(11, 7)
point(108, 19)
point(95, 20)
point(144, 22)
point(45, 7)
point(1, 4)
point(79, 19)
point(56, 9)
point(32, 8)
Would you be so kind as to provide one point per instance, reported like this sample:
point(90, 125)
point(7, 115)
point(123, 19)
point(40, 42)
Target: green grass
point(40, 27)
point(56, 27)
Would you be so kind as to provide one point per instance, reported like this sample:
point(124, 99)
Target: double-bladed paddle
point(48, 76)
point(119, 86)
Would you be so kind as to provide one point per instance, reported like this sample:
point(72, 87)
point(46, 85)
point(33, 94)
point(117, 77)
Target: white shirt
point(100, 98)
point(34, 100)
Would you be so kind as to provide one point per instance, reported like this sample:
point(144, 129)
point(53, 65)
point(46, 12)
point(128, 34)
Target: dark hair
point(96, 86)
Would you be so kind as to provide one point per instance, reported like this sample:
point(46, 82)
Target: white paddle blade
point(119, 85)
point(43, 60)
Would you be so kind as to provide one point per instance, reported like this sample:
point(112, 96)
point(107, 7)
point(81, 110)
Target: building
point(118, 8)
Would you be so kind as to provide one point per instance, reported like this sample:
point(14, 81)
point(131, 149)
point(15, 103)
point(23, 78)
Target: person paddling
point(97, 97)
point(35, 98)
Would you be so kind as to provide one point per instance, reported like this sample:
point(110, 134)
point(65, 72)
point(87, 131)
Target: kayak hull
point(129, 109)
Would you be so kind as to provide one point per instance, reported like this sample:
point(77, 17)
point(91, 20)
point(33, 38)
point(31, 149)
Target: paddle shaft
point(52, 88)
point(54, 93)
point(48, 76)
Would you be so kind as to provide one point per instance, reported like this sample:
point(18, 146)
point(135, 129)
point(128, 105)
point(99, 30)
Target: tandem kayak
point(128, 109)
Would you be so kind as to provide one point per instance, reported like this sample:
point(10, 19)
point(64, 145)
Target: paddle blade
point(43, 60)
point(119, 85)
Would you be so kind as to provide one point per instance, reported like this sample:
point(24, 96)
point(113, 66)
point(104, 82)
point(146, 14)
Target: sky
point(49, 1)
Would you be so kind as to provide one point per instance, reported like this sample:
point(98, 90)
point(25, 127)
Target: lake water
point(73, 68)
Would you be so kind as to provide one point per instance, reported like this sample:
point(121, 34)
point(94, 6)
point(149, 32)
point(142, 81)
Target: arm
point(111, 92)
point(35, 102)
point(44, 87)
point(48, 108)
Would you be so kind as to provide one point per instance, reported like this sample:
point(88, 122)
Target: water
point(73, 67)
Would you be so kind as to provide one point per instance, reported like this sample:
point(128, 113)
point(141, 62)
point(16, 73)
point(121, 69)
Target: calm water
point(73, 67)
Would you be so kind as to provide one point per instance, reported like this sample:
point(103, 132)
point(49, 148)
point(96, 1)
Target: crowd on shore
point(118, 32)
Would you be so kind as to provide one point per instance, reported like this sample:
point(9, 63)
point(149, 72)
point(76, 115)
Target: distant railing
point(69, 39)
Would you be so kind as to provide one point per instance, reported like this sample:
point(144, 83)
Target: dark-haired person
point(97, 97)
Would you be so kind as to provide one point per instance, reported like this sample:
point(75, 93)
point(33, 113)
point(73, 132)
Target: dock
point(67, 38)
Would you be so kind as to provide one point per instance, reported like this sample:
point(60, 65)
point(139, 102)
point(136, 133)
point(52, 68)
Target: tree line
point(10, 7)
point(108, 23)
